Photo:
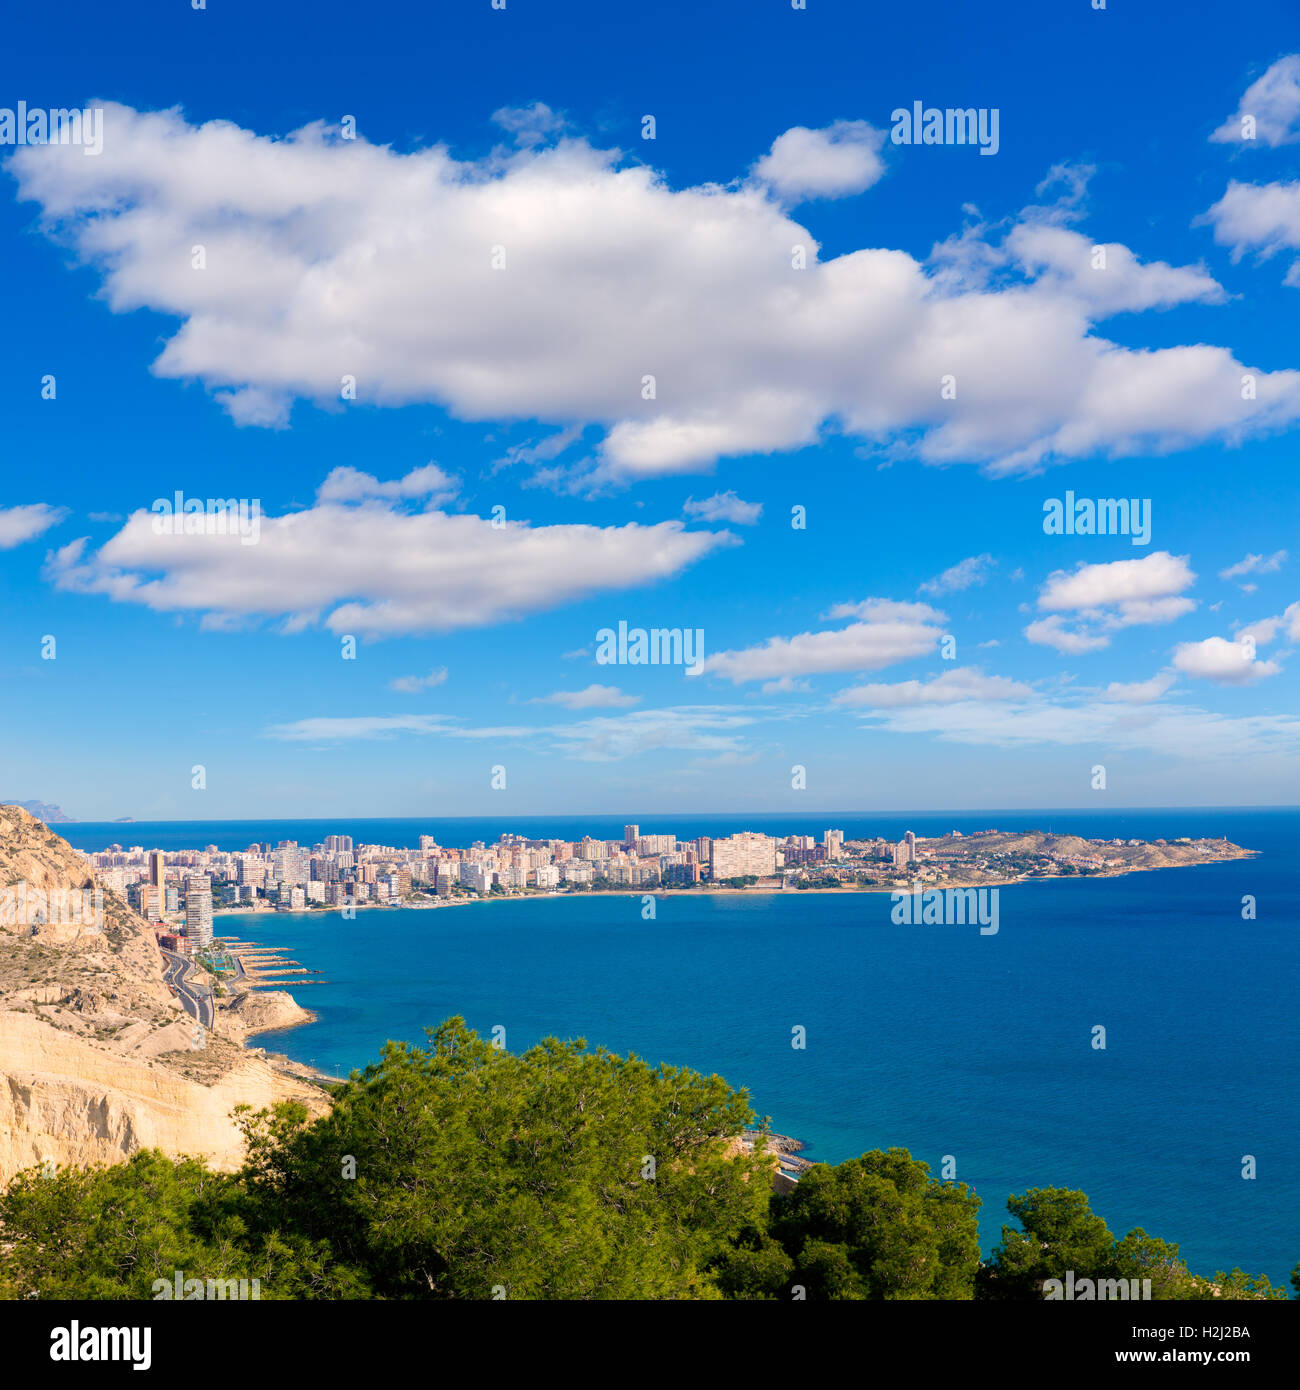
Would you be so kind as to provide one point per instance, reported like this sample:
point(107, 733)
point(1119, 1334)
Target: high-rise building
point(157, 873)
point(631, 833)
point(198, 909)
point(834, 842)
point(905, 851)
point(290, 864)
point(746, 853)
point(335, 843)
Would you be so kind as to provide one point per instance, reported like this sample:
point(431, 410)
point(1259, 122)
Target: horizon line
point(699, 815)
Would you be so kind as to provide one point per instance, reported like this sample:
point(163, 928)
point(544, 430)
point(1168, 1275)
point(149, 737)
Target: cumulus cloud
point(413, 685)
point(1226, 663)
point(889, 633)
point(1259, 217)
point(723, 506)
point(950, 688)
point(833, 162)
point(374, 569)
point(959, 576)
point(1263, 218)
point(1265, 630)
point(19, 524)
point(1052, 632)
point(328, 258)
point(1106, 276)
point(1271, 105)
point(1102, 597)
point(351, 485)
point(593, 697)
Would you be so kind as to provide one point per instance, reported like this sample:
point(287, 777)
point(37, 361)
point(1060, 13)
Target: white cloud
point(1226, 663)
point(952, 687)
point(959, 576)
point(599, 738)
point(1139, 692)
point(593, 697)
point(890, 633)
point(328, 257)
point(723, 506)
point(1273, 101)
point(1174, 732)
point(879, 610)
point(1116, 583)
point(329, 730)
point(413, 685)
point(685, 728)
point(1106, 276)
point(1265, 630)
point(1255, 564)
point(375, 570)
point(1052, 632)
point(1102, 597)
point(19, 524)
point(1259, 217)
point(834, 162)
point(529, 125)
point(351, 485)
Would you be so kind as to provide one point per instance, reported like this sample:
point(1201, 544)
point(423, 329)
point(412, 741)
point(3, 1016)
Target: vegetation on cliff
point(463, 1171)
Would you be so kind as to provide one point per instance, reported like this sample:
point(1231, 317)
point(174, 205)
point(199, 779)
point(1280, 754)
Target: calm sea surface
point(937, 1039)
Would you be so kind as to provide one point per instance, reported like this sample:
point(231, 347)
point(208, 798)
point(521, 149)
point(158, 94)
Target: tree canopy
point(460, 1170)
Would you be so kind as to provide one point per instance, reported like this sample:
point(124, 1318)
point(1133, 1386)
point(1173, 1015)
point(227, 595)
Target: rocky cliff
point(97, 1059)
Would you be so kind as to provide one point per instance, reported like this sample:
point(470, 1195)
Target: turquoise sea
point(937, 1039)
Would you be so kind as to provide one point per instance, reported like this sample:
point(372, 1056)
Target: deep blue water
point(933, 1038)
point(1144, 823)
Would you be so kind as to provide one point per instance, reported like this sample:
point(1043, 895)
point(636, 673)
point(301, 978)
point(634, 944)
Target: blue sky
point(500, 259)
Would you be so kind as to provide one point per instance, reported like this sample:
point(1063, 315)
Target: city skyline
point(837, 411)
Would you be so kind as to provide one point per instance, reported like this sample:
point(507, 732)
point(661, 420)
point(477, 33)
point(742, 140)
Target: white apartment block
point(746, 853)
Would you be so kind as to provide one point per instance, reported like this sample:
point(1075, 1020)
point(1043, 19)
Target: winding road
point(196, 1000)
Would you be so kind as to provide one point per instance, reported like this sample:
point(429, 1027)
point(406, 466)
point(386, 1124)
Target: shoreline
point(285, 1064)
point(752, 891)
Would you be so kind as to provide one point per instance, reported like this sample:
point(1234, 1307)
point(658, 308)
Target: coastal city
point(178, 891)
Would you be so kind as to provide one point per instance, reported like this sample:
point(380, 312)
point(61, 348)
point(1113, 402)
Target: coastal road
point(195, 999)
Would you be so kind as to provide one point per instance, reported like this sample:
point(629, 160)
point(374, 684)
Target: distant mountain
point(42, 810)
